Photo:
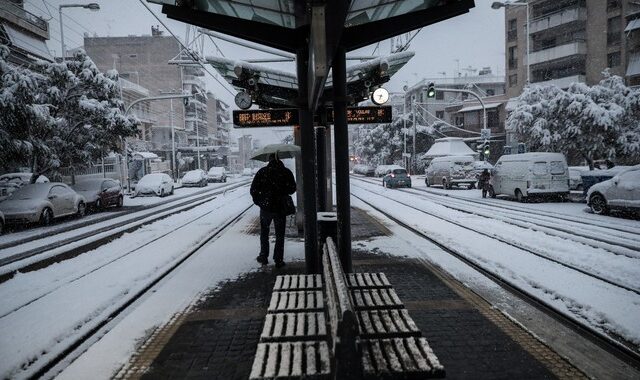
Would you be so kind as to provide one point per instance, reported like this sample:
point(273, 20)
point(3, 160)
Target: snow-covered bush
point(60, 114)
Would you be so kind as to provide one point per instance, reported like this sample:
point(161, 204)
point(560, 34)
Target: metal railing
point(25, 15)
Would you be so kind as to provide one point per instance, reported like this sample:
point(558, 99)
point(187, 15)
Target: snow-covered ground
point(44, 310)
point(601, 305)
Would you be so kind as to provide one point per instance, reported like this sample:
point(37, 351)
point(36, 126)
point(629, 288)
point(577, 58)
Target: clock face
point(243, 100)
point(380, 96)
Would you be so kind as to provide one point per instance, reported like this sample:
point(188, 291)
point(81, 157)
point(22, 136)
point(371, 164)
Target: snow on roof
point(479, 107)
point(146, 155)
point(543, 156)
point(449, 146)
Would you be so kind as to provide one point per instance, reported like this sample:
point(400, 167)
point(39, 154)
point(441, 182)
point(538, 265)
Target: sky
point(474, 40)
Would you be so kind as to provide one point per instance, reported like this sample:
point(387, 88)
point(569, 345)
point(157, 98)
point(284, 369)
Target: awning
point(479, 107)
point(633, 68)
point(27, 43)
point(633, 25)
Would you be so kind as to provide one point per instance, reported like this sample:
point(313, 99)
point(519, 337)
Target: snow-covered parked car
point(621, 192)
point(217, 174)
point(450, 171)
point(100, 192)
point(159, 184)
point(575, 177)
point(365, 170)
point(41, 203)
point(194, 178)
point(11, 181)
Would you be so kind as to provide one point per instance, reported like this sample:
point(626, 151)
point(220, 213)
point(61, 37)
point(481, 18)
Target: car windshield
point(216, 170)
point(151, 179)
point(193, 175)
point(88, 185)
point(399, 171)
point(557, 167)
point(31, 191)
point(540, 168)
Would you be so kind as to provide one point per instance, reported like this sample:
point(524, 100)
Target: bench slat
point(310, 300)
point(409, 356)
point(367, 281)
point(293, 282)
point(392, 358)
point(407, 361)
point(382, 323)
point(291, 360)
point(370, 299)
point(280, 327)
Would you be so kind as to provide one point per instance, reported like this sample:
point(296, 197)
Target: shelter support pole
point(341, 136)
point(308, 154)
point(297, 139)
point(328, 166)
point(321, 161)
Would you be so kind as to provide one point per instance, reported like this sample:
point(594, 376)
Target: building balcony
point(562, 17)
point(24, 19)
point(564, 82)
point(558, 52)
point(128, 86)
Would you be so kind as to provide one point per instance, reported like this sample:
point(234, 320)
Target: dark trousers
point(279, 222)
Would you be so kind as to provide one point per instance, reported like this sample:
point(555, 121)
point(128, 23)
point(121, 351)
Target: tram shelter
point(319, 33)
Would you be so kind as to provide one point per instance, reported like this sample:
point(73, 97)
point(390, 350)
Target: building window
point(491, 92)
point(614, 30)
point(512, 30)
point(513, 57)
point(513, 80)
point(613, 4)
point(440, 114)
point(613, 59)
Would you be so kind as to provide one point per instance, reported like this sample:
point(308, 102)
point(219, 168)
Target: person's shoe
point(262, 260)
point(280, 264)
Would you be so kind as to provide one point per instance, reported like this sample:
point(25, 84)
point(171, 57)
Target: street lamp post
point(90, 6)
point(506, 4)
point(170, 96)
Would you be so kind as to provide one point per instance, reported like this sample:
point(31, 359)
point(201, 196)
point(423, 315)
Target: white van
point(450, 171)
point(530, 174)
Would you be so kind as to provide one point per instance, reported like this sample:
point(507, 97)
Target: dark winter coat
point(271, 187)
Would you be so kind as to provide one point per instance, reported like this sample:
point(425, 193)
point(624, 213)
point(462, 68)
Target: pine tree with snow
point(597, 122)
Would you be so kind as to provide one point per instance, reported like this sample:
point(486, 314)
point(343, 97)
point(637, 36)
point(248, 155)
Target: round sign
point(380, 96)
point(243, 100)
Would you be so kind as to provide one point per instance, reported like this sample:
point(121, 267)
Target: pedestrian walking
point(485, 176)
point(271, 190)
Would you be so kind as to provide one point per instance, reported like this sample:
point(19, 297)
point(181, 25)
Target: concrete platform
point(217, 339)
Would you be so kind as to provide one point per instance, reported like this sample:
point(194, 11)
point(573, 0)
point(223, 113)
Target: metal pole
point(341, 136)
point(414, 154)
point(62, 50)
point(197, 134)
point(173, 144)
point(308, 155)
point(484, 108)
point(321, 161)
point(404, 128)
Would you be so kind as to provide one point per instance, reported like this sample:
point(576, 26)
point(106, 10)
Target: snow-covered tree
point(597, 122)
point(60, 114)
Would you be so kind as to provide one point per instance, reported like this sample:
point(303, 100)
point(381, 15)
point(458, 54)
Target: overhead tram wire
point(196, 59)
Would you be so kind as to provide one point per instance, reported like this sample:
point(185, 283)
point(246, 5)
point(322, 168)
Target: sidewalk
point(217, 339)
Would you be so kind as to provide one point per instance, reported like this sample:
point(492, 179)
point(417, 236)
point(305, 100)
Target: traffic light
point(431, 90)
point(486, 150)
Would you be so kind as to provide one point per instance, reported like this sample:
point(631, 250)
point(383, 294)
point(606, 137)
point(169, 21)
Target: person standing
point(271, 189)
point(483, 181)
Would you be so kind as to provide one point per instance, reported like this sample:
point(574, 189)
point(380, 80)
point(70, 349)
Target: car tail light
point(392, 175)
point(408, 175)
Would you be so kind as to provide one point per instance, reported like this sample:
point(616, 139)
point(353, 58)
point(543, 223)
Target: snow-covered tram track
point(35, 255)
point(529, 248)
point(599, 310)
point(626, 243)
point(126, 277)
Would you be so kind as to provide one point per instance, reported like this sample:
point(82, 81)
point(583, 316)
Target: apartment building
point(219, 121)
point(24, 32)
point(571, 41)
point(143, 60)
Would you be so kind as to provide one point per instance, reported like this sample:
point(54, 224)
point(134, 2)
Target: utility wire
point(196, 59)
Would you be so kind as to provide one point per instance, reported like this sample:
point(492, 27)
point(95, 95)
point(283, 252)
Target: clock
point(380, 96)
point(243, 100)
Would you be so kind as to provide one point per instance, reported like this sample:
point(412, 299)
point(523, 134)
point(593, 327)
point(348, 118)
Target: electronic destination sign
point(289, 116)
point(266, 118)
